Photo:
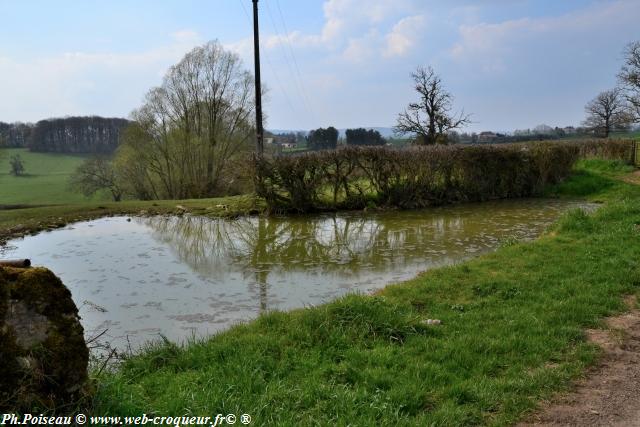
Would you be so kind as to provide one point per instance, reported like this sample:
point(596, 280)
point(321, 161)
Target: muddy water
point(188, 276)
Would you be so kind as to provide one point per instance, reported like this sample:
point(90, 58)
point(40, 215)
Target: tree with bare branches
point(97, 174)
point(607, 112)
point(629, 77)
point(430, 119)
point(190, 130)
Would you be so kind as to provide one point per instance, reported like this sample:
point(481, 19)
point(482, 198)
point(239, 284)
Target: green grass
point(627, 134)
point(45, 180)
point(512, 334)
point(597, 180)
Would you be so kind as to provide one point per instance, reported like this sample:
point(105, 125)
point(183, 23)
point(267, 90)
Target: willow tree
point(190, 129)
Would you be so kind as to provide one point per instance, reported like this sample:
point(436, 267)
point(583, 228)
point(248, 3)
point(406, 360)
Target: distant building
point(285, 140)
point(487, 136)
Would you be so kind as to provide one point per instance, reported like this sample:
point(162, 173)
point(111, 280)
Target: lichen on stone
point(43, 355)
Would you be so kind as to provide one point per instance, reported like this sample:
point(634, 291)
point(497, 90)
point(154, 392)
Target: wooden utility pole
point(256, 49)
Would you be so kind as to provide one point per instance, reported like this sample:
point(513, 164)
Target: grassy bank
point(511, 334)
point(27, 220)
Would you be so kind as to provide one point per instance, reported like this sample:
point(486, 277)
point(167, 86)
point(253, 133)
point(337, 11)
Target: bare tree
point(607, 112)
point(431, 118)
point(190, 128)
point(629, 77)
point(96, 174)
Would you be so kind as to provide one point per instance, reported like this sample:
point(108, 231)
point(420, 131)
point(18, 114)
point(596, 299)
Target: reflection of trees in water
point(338, 244)
point(343, 245)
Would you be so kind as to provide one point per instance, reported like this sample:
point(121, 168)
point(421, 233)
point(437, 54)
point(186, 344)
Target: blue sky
point(510, 63)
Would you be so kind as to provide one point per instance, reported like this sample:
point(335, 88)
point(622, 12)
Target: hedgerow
point(357, 177)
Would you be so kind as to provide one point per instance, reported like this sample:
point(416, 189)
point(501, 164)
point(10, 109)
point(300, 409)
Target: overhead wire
point(271, 67)
point(297, 78)
point(295, 61)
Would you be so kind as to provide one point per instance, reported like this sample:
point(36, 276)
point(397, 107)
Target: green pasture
point(45, 180)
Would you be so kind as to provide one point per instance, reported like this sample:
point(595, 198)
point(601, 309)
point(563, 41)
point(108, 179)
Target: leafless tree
point(629, 77)
point(190, 128)
point(607, 112)
point(97, 174)
point(431, 118)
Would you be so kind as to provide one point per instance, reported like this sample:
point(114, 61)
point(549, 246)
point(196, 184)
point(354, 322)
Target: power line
point(295, 62)
point(271, 67)
point(296, 76)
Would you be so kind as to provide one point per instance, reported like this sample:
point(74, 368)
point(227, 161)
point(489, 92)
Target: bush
point(354, 177)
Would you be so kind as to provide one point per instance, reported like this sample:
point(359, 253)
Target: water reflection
point(193, 275)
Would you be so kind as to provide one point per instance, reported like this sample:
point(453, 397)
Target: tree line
point(90, 134)
point(329, 138)
point(15, 135)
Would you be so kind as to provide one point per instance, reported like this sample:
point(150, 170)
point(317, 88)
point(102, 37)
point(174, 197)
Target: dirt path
point(632, 178)
point(610, 394)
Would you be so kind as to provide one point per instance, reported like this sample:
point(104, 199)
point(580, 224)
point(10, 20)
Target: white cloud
point(186, 36)
point(493, 45)
point(404, 35)
point(347, 23)
point(242, 47)
point(361, 49)
point(342, 16)
point(74, 82)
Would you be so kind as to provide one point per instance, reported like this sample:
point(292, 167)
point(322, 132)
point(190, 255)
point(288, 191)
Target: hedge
point(357, 177)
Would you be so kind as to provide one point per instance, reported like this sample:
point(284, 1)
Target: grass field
point(512, 334)
point(45, 180)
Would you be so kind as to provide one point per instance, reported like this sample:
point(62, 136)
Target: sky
point(511, 64)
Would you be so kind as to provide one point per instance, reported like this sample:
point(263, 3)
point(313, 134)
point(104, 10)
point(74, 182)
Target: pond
point(184, 276)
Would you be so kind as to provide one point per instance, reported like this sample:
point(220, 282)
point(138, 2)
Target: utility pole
point(256, 50)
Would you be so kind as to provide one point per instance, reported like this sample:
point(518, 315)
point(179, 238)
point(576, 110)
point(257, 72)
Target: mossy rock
point(43, 355)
